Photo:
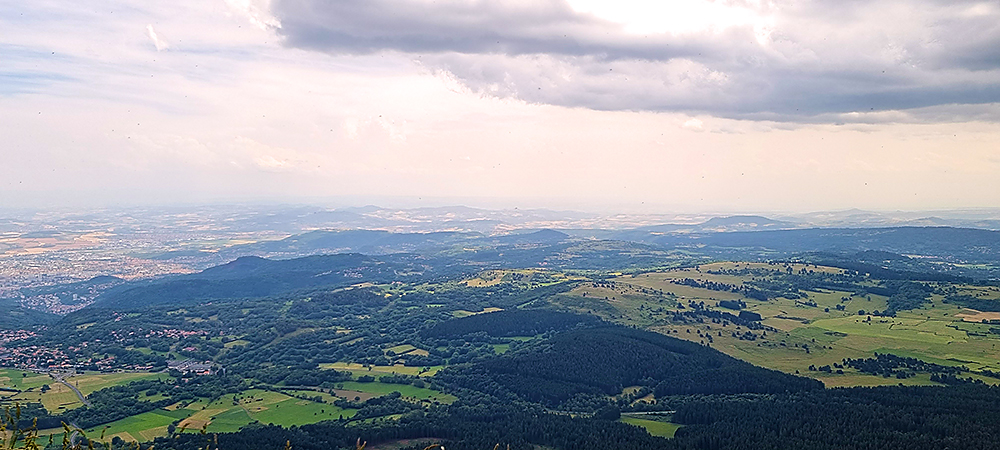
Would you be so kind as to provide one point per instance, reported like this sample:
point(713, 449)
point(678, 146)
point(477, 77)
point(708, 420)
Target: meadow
point(231, 412)
point(653, 427)
point(22, 380)
point(399, 369)
point(223, 415)
point(27, 387)
point(811, 331)
point(407, 391)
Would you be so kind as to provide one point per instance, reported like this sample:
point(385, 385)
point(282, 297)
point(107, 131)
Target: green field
point(91, 382)
point(406, 390)
point(236, 342)
point(21, 380)
point(229, 421)
point(653, 427)
point(232, 412)
point(376, 371)
point(463, 313)
point(283, 410)
point(142, 427)
point(501, 348)
point(934, 333)
point(59, 397)
point(228, 415)
point(401, 349)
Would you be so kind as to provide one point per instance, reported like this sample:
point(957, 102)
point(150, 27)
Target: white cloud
point(255, 11)
point(694, 124)
point(158, 42)
point(270, 162)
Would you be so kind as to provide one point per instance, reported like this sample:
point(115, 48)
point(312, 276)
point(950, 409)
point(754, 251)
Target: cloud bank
point(810, 61)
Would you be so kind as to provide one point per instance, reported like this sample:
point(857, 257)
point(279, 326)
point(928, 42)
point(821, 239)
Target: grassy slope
point(59, 397)
point(653, 427)
point(932, 333)
point(404, 389)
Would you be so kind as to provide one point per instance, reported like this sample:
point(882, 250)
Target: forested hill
point(604, 360)
point(942, 242)
point(252, 276)
point(13, 315)
point(381, 242)
point(518, 322)
point(371, 242)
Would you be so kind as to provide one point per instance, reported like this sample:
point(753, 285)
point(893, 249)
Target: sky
point(667, 106)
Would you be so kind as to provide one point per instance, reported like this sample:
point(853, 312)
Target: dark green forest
point(601, 361)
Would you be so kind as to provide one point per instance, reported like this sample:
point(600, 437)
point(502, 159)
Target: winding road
point(59, 378)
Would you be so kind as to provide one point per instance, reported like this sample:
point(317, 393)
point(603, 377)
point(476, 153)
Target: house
point(190, 366)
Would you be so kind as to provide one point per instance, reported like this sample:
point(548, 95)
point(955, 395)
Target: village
point(47, 359)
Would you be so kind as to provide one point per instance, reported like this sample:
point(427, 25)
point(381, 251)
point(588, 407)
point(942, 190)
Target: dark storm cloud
point(806, 61)
point(470, 27)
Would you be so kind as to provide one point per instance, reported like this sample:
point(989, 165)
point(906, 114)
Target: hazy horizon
point(484, 204)
point(438, 211)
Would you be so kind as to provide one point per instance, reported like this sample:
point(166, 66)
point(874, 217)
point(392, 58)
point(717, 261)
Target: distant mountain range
point(731, 232)
point(380, 256)
point(251, 276)
point(945, 244)
point(718, 237)
point(246, 252)
point(486, 221)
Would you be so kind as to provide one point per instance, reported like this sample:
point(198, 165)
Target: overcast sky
point(680, 106)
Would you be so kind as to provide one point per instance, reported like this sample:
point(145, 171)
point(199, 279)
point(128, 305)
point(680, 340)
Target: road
point(59, 377)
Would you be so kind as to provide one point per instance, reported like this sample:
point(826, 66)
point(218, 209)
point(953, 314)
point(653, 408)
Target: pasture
point(463, 313)
point(22, 380)
point(280, 409)
point(653, 427)
point(822, 328)
point(223, 415)
point(406, 349)
point(90, 382)
point(58, 397)
point(139, 428)
point(408, 391)
point(376, 371)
